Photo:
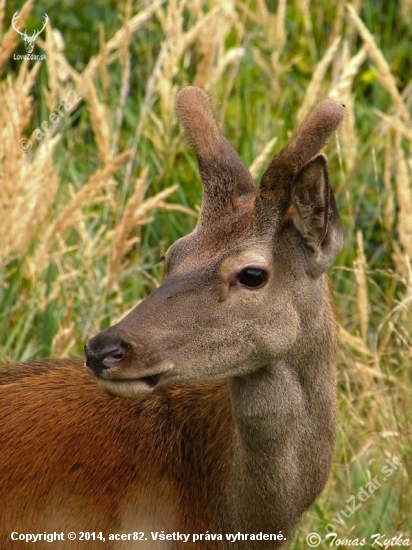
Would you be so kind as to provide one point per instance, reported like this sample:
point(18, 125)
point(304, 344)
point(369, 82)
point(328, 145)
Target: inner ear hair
point(310, 201)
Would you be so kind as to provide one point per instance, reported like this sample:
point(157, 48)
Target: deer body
point(221, 414)
point(131, 489)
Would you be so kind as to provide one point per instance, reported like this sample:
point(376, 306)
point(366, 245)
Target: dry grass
point(71, 241)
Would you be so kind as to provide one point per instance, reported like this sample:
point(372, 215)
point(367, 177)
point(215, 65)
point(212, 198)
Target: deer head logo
point(29, 40)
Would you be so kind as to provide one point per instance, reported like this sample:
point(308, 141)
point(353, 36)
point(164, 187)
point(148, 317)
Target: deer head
point(29, 41)
point(246, 287)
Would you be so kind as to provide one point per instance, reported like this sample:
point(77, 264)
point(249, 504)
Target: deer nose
point(103, 354)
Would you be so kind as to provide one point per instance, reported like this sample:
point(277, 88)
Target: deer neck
point(284, 438)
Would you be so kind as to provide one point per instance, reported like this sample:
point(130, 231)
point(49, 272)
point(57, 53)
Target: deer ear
point(315, 216)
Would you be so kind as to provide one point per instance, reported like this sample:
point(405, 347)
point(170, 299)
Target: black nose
point(103, 352)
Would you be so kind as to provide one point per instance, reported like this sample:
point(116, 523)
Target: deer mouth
point(135, 386)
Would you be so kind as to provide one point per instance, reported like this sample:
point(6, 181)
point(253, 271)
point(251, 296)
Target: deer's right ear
point(315, 216)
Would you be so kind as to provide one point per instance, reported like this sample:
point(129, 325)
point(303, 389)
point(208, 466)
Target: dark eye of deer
point(252, 277)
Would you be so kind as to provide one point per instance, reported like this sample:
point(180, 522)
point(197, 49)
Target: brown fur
point(92, 455)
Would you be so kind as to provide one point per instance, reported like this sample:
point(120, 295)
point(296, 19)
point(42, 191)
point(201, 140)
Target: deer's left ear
point(315, 215)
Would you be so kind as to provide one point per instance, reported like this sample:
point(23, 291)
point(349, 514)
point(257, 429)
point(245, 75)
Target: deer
point(208, 411)
point(29, 41)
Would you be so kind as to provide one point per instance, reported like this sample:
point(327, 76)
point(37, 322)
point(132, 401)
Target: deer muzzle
point(117, 367)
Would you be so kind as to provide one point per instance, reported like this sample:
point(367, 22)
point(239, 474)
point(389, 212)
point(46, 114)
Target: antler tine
point(225, 178)
point(13, 21)
point(39, 31)
point(46, 20)
point(307, 142)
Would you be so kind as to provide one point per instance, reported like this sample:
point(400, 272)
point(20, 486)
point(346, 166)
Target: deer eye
point(252, 277)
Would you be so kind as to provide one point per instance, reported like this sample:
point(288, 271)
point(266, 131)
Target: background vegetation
point(87, 211)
